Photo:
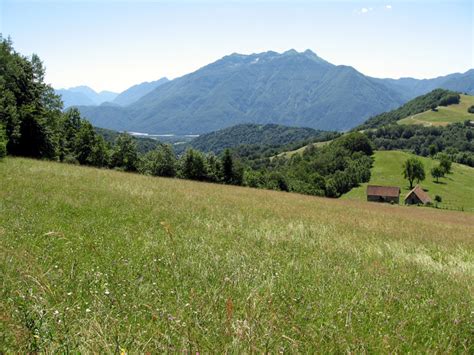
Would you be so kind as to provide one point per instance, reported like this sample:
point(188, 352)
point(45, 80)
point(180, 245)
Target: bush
point(3, 142)
point(471, 109)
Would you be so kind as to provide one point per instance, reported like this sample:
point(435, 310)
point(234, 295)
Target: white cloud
point(388, 7)
point(363, 10)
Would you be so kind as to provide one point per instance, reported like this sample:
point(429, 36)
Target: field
point(101, 261)
point(444, 115)
point(456, 189)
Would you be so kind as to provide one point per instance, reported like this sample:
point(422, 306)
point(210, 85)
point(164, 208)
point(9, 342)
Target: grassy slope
point(444, 115)
point(456, 189)
point(97, 260)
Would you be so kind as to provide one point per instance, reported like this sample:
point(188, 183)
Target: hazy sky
point(111, 45)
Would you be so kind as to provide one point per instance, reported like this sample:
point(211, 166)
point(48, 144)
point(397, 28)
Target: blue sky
point(111, 45)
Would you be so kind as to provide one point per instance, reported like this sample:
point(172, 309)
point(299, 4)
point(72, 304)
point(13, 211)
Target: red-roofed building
point(390, 194)
point(417, 196)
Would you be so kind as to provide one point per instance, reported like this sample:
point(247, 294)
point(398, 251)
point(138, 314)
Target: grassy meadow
point(101, 261)
point(444, 114)
point(456, 189)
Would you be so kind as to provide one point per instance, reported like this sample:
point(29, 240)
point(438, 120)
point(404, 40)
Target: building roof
point(389, 191)
point(420, 193)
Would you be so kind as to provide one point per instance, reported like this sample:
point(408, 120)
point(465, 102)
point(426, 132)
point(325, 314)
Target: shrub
point(471, 109)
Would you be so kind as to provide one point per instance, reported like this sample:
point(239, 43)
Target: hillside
point(255, 134)
point(443, 115)
point(456, 189)
point(413, 107)
point(94, 260)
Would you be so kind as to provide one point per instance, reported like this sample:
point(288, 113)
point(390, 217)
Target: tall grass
point(101, 261)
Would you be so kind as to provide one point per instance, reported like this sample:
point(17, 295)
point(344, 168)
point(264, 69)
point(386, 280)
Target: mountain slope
point(136, 92)
point(291, 88)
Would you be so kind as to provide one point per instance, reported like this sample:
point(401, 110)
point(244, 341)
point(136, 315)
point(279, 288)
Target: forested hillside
point(268, 135)
point(438, 97)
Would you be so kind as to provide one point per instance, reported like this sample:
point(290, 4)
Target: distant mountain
point(136, 92)
point(84, 95)
point(255, 134)
point(410, 88)
point(291, 88)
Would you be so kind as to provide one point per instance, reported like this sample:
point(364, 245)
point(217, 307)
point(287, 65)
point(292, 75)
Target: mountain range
point(291, 88)
point(84, 95)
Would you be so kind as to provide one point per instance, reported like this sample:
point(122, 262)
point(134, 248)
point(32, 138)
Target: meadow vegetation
point(95, 260)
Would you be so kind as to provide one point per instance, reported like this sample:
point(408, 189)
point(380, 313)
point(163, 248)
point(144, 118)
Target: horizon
point(113, 45)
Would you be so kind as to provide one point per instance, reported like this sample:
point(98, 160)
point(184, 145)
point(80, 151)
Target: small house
point(417, 196)
point(390, 194)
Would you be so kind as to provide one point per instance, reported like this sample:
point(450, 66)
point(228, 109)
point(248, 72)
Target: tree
point(227, 167)
point(437, 172)
point(29, 109)
point(214, 168)
point(471, 109)
point(193, 166)
point(438, 199)
point(159, 162)
point(445, 163)
point(124, 154)
point(413, 170)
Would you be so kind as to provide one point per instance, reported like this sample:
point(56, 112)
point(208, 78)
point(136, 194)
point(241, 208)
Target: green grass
point(456, 189)
point(101, 261)
point(444, 115)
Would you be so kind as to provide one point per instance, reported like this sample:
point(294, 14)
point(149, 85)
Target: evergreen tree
point(227, 167)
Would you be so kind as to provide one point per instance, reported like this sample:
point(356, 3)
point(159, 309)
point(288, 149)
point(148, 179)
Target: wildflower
point(56, 312)
point(88, 310)
point(107, 292)
point(69, 293)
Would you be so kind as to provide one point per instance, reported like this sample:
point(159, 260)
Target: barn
point(390, 194)
point(417, 196)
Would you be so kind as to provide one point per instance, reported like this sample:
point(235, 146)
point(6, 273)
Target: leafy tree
point(29, 109)
point(445, 163)
point(193, 166)
point(437, 172)
point(159, 162)
point(124, 154)
point(214, 168)
point(413, 170)
point(438, 199)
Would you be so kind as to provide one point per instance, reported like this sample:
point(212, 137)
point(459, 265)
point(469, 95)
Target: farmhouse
point(417, 196)
point(389, 194)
